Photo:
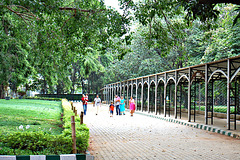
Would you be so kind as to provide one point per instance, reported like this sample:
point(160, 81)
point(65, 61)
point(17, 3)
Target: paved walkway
point(144, 137)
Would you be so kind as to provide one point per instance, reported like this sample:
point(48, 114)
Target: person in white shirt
point(116, 104)
point(97, 103)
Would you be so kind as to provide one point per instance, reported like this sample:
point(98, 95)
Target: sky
point(112, 3)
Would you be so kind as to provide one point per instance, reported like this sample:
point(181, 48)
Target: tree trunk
point(2, 93)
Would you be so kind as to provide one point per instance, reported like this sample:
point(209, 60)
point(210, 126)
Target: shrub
point(36, 142)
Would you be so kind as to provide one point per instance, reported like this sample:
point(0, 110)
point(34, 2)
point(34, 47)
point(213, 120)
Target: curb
point(49, 157)
point(194, 125)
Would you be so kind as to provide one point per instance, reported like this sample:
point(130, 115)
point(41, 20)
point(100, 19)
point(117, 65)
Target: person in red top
point(111, 109)
point(84, 101)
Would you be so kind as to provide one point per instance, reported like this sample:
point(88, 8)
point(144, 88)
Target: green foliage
point(45, 43)
point(219, 109)
point(39, 142)
point(82, 132)
point(44, 98)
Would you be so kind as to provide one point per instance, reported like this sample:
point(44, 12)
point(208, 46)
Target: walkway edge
point(49, 157)
point(194, 125)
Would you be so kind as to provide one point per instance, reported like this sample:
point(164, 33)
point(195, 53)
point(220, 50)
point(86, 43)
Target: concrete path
point(142, 137)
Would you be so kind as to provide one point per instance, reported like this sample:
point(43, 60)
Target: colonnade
point(170, 92)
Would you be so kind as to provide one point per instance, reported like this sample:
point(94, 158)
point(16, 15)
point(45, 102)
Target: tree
point(62, 40)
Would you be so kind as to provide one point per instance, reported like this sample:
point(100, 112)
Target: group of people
point(97, 103)
point(119, 104)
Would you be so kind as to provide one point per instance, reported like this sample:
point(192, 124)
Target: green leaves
point(50, 41)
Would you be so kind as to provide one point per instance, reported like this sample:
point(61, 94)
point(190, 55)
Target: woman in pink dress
point(132, 106)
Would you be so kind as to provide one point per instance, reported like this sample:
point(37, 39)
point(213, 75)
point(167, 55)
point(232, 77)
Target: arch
point(151, 102)
point(140, 83)
point(145, 82)
point(220, 71)
point(129, 91)
point(180, 78)
point(195, 74)
point(139, 97)
point(134, 91)
point(171, 78)
point(170, 98)
point(160, 97)
point(145, 97)
point(161, 80)
point(152, 81)
point(235, 74)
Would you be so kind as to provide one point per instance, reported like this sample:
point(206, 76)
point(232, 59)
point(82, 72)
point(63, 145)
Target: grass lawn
point(41, 115)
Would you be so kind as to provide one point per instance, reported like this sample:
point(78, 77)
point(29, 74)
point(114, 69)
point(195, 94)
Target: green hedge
point(35, 143)
point(220, 109)
point(44, 98)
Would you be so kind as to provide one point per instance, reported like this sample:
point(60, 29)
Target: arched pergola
point(194, 90)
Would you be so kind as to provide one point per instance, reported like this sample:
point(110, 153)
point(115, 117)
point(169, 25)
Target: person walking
point(111, 109)
point(116, 104)
point(84, 101)
point(132, 106)
point(97, 103)
point(122, 105)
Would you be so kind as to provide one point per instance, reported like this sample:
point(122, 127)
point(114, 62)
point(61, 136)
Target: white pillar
point(156, 85)
point(148, 98)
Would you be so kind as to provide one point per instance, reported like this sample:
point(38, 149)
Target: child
point(111, 109)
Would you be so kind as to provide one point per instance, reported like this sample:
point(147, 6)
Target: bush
point(44, 98)
point(219, 109)
point(21, 93)
point(35, 143)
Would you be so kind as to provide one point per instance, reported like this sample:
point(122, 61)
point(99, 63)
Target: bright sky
point(112, 3)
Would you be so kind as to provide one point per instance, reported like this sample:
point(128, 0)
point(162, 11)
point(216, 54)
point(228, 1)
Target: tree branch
point(17, 13)
point(81, 10)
